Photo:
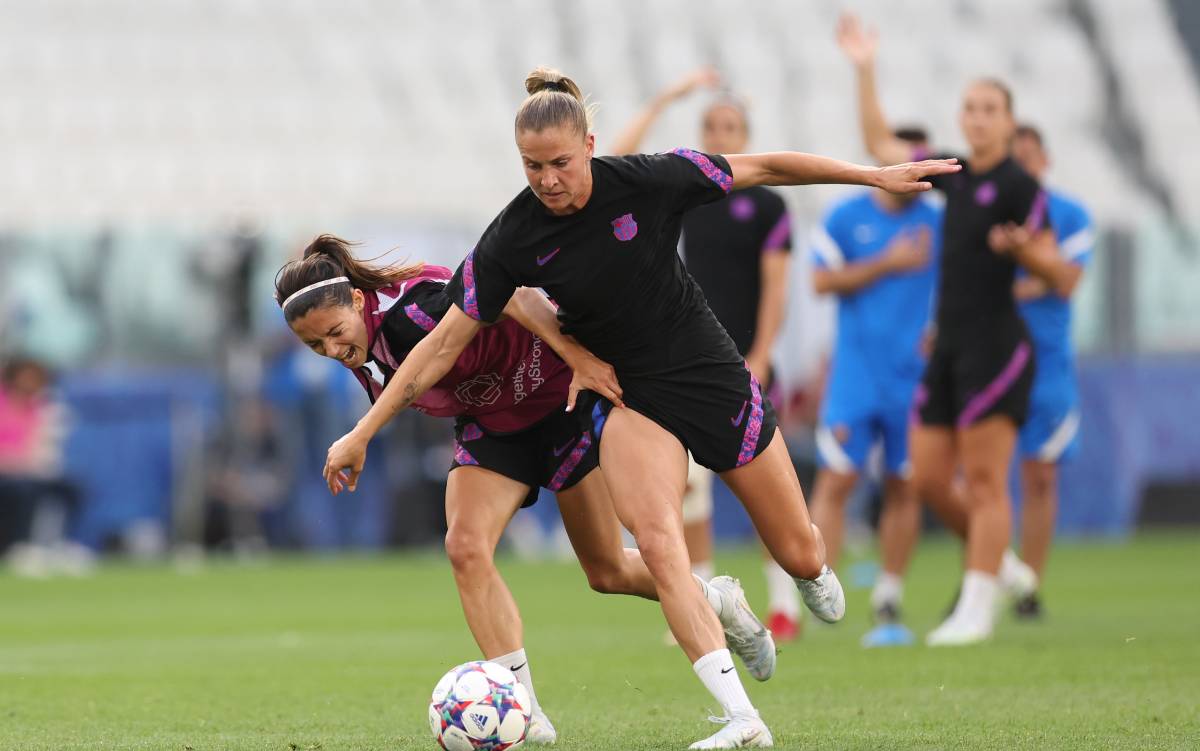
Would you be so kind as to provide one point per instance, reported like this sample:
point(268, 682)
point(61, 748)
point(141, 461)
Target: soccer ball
point(479, 705)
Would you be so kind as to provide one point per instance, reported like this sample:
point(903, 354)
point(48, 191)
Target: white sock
point(718, 675)
point(782, 596)
point(704, 569)
point(977, 604)
point(889, 589)
point(519, 664)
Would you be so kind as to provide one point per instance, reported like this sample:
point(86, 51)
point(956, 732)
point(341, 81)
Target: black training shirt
point(612, 266)
point(723, 245)
point(975, 282)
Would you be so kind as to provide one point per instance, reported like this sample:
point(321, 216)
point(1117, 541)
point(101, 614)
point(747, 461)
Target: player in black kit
point(600, 235)
point(976, 386)
point(738, 249)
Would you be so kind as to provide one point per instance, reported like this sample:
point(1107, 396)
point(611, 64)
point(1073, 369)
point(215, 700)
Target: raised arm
point(795, 168)
point(860, 45)
point(535, 312)
point(426, 364)
point(629, 140)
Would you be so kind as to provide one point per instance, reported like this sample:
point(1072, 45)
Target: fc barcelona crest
point(624, 228)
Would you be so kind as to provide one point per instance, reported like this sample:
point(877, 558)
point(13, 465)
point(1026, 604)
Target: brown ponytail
point(553, 100)
point(328, 257)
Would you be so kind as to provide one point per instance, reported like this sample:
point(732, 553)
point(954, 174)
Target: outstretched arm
point(425, 365)
point(795, 168)
point(630, 139)
point(860, 45)
point(535, 312)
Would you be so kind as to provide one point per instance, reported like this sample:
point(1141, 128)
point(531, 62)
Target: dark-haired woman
point(600, 235)
point(508, 392)
point(974, 394)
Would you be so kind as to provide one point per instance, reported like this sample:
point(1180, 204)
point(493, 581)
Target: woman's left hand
point(344, 462)
point(593, 374)
point(909, 178)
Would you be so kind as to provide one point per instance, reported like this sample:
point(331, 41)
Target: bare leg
point(987, 449)
point(830, 494)
point(479, 504)
point(699, 538)
point(1039, 506)
point(932, 449)
point(769, 489)
point(591, 523)
point(647, 482)
point(899, 525)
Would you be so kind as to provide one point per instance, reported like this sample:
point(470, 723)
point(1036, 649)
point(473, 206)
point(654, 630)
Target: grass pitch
point(342, 653)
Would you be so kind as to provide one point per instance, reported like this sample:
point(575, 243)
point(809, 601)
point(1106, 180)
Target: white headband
point(311, 287)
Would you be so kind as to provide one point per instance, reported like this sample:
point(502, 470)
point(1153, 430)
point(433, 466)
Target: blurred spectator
point(248, 478)
point(37, 502)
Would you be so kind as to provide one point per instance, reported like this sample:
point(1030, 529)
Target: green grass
point(342, 654)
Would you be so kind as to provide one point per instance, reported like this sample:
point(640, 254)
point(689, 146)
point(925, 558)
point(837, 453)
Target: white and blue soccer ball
point(479, 705)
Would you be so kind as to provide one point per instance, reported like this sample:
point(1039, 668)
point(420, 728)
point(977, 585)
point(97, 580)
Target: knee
point(1039, 484)
point(466, 551)
point(605, 579)
point(835, 487)
point(801, 561)
point(985, 485)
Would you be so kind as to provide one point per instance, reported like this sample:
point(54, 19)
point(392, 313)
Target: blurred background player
point(738, 250)
point(875, 251)
point(39, 503)
point(975, 392)
point(1050, 435)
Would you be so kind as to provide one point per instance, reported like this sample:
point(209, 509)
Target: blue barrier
point(1140, 423)
point(124, 442)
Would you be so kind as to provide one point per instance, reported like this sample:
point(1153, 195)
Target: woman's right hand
point(707, 78)
point(593, 374)
point(858, 44)
point(908, 252)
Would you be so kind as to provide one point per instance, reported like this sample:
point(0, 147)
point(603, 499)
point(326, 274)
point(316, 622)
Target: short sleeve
point(482, 285)
point(690, 178)
point(1029, 204)
point(826, 247)
point(779, 225)
point(415, 315)
point(1077, 236)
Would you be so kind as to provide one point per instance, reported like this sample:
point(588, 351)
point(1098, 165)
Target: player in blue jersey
point(1050, 434)
point(874, 251)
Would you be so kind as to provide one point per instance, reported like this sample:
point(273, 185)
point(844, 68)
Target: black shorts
point(555, 453)
point(706, 397)
point(976, 373)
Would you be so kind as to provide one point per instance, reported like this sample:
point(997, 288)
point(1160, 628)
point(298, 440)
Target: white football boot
point(959, 631)
point(1017, 578)
point(745, 634)
point(540, 731)
point(745, 731)
point(824, 596)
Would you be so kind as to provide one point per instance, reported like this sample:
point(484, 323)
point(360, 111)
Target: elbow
point(1066, 288)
